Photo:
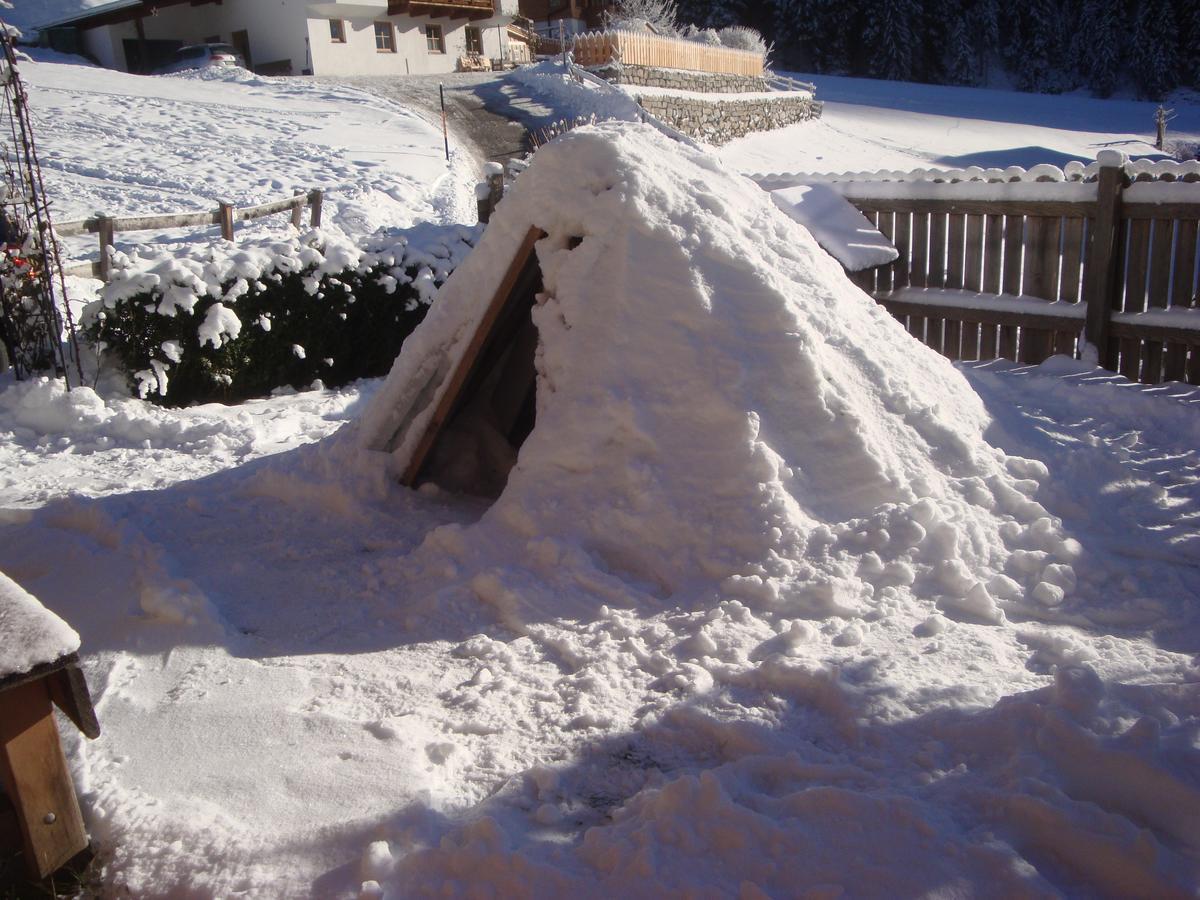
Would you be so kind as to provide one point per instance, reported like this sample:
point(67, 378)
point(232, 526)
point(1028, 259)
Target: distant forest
point(1151, 46)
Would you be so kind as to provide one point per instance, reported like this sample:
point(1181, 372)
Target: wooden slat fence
point(599, 48)
point(225, 215)
point(984, 278)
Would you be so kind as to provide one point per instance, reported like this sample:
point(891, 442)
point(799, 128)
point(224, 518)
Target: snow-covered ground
point(310, 679)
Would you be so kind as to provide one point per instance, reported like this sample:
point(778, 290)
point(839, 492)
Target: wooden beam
point(34, 774)
point(466, 364)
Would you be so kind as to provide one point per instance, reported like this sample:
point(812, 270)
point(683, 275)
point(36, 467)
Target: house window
point(385, 40)
point(474, 39)
point(434, 40)
point(337, 31)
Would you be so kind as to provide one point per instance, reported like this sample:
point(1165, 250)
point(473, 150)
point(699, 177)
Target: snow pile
point(837, 226)
point(760, 532)
point(30, 635)
point(722, 414)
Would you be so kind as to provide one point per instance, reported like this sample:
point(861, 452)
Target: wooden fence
point(107, 227)
point(599, 48)
point(1024, 271)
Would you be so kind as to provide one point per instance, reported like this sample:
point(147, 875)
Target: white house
point(279, 37)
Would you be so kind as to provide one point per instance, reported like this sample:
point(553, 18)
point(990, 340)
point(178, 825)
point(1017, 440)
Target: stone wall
point(680, 80)
point(720, 121)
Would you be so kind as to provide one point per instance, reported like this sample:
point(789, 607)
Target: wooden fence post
point(298, 210)
point(1101, 286)
point(316, 200)
point(104, 225)
point(225, 215)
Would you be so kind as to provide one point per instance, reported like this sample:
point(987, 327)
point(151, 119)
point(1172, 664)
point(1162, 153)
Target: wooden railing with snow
point(107, 227)
point(600, 48)
point(1022, 264)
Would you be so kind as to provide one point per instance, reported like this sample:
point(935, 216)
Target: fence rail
point(225, 215)
point(599, 48)
point(1113, 261)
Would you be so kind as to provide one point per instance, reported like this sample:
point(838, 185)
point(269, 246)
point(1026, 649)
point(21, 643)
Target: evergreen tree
point(960, 61)
point(1154, 54)
point(1189, 57)
point(1036, 46)
point(1096, 46)
point(889, 36)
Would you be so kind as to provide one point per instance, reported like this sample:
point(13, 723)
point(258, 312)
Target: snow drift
point(719, 411)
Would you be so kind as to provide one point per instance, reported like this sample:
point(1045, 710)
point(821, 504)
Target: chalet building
point(300, 37)
point(574, 15)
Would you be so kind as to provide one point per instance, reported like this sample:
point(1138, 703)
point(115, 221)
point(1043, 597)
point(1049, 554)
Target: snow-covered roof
point(30, 635)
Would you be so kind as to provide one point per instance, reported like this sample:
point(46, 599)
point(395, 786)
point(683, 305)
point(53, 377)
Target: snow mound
point(30, 635)
point(721, 413)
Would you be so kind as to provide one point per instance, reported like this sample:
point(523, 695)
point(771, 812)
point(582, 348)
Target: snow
point(133, 145)
point(776, 601)
point(837, 226)
point(30, 635)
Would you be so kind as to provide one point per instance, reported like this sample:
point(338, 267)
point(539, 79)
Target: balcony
point(450, 9)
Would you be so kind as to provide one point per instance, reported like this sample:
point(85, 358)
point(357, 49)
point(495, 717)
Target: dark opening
point(493, 412)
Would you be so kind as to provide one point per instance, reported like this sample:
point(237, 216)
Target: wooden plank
point(106, 230)
point(1144, 332)
point(937, 251)
point(1152, 362)
point(1064, 343)
point(970, 340)
point(956, 229)
point(1183, 285)
point(152, 223)
point(458, 378)
point(1035, 345)
point(1175, 362)
point(1102, 257)
point(982, 207)
point(884, 274)
point(1160, 210)
point(33, 772)
point(1162, 243)
point(226, 215)
point(919, 269)
point(1041, 258)
point(992, 253)
point(1072, 260)
point(987, 341)
point(1193, 365)
point(973, 265)
point(952, 339)
point(1131, 358)
point(1008, 342)
point(990, 316)
point(1136, 262)
point(1014, 229)
point(902, 239)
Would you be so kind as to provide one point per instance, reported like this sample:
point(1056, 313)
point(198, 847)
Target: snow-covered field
point(778, 603)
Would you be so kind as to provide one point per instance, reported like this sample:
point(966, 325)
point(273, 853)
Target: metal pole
point(445, 132)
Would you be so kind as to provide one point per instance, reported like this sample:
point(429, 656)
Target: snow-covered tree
point(659, 15)
point(1096, 45)
point(1153, 53)
point(960, 60)
point(889, 36)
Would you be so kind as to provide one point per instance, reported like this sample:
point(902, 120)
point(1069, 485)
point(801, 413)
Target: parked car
point(202, 56)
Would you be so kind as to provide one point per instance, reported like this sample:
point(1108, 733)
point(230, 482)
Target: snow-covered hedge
point(243, 321)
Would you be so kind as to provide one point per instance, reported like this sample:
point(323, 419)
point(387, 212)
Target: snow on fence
point(107, 227)
point(600, 48)
point(1022, 265)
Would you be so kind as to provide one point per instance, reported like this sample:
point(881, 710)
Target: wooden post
point(106, 230)
point(1100, 275)
point(225, 214)
point(298, 210)
point(316, 200)
point(34, 775)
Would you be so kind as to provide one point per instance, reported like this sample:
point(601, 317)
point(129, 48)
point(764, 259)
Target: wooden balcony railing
point(451, 9)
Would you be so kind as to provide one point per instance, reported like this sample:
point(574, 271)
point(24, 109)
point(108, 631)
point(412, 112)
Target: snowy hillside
point(776, 602)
